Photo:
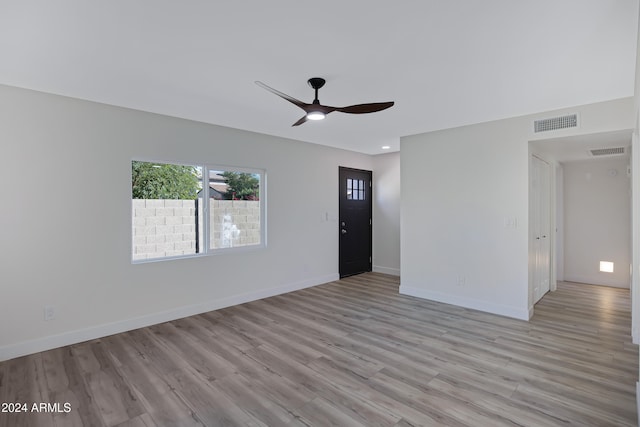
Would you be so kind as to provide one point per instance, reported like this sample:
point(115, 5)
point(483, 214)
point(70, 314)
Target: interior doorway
point(585, 215)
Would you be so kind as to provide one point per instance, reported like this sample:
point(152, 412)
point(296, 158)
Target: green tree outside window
point(164, 181)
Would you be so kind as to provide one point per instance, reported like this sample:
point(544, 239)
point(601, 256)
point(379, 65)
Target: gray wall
point(386, 213)
point(66, 170)
point(597, 221)
point(459, 186)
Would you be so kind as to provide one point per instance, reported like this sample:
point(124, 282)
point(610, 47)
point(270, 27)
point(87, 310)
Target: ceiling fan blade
point(301, 121)
point(291, 99)
point(365, 108)
point(317, 111)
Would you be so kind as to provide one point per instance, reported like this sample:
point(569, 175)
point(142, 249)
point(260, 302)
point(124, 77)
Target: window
point(235, 209)
point(355, 189)
point(173, 210)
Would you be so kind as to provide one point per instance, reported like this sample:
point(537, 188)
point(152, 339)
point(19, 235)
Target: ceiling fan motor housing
point(316, 82)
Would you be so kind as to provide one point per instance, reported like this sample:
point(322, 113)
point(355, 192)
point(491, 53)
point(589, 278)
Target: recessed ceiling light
point(385, 147)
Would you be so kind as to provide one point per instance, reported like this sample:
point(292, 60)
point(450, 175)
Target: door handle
point(343, 231)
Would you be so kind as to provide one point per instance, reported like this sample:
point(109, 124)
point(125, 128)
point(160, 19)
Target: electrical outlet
point(49, 312)
point(462, 280)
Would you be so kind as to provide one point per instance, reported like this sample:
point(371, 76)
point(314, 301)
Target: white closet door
point(541, 226)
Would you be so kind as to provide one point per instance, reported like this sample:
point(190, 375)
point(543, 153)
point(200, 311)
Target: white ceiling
point(578, 148)
point(444, 63)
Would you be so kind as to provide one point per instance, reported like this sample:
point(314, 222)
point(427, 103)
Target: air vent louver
point(555, 123)
point(607, 151)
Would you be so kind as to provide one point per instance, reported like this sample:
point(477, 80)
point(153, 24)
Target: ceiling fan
point(317, 111)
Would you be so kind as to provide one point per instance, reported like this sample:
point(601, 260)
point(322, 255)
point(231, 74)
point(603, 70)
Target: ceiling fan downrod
point(316, 83)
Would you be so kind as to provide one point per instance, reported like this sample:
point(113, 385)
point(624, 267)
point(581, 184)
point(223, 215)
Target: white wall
point(635, 208)
point(458, 188)
point(635, 214)
point(66, 178)
point(386, 213)
point(597, 221)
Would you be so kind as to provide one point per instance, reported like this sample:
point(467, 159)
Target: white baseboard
point(386, 270)
point(595, 281)
point(503, 310)
point(73, 337)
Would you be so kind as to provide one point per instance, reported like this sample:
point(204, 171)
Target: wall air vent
point(555, 123)
point(613, 151)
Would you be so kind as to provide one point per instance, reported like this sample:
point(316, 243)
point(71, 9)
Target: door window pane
point(355, 189)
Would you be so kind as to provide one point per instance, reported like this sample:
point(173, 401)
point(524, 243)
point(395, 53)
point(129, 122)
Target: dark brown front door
point(355, 223)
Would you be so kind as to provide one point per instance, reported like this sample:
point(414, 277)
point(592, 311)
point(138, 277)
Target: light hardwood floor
point(349, 353)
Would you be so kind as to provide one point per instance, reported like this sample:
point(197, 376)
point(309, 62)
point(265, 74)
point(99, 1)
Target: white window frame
point(206, 249)
point(263, 211)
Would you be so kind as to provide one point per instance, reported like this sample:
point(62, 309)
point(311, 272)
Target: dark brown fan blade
point(301, 121)
point(365, 108)
point(291, 99)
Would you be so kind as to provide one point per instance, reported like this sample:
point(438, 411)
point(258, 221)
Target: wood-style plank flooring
point(349, 353)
